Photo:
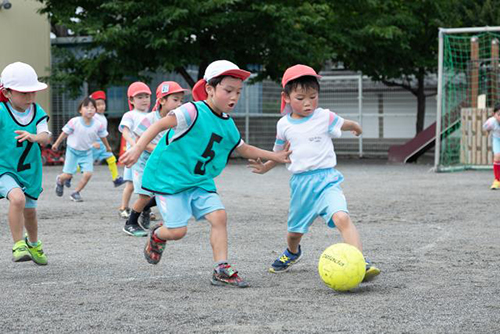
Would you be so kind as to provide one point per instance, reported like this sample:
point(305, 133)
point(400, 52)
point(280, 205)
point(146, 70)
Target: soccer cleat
point(76, 197)
point(495, 185)
point(37, 254)
point(67, 183)
point(285, 261)
point(145, 220)
point(118, 181)
point(134, 230)
point(59, 188)
point(124, 213)
point(224, 275)
point(154, 247)
point(371, 272)
point(20, 252)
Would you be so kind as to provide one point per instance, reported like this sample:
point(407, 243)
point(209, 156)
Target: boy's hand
point(282, 156)
point(109, 149)
point(96, 145)
point(257, 166)
point(130, 157)
point(54, 148)
point(24, 135)
point(357, 130)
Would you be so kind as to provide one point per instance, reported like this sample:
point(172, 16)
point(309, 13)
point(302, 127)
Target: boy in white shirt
point(493, 125)
point(315, 183)
point(82, 133)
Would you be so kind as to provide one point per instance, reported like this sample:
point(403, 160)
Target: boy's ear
point(285, 97)
point(210, 89)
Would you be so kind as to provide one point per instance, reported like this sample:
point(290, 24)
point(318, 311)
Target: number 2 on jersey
point(200, 167)
point(21, 165)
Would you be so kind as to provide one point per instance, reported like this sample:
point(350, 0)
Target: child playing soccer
point(315, 184)
point(169, 96)
point(182, 168)
point(493, 125)
point(139, 100)
point(82, 133)
point(99, 154)
point(23, 129)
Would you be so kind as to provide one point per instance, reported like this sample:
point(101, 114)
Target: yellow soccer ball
point(342, 267)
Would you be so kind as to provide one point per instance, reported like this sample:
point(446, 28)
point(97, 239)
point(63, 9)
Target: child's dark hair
point(217, 80)
point(85, 102)
point(496, 107)
point(306, 82)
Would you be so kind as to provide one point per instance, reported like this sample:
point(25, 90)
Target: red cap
point(293, 73)
point(98, 95)
point(137, 88)
point(166, 88)
point(216, 69)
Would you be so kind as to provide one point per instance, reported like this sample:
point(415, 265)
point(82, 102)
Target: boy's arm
point(132, 155)
point(42, 138)
point(127, 134)
point(62, 136)
point(259, 167)
point(252, 152)
point(352, 126)
point(489, 124)
point(106, 144)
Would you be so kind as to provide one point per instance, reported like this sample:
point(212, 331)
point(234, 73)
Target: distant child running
point(493, 125)
point(315, 184)
point(169, 96)
point(99, 154)
point(182, 168)
point(139, 100)
point(82, 133)
point(23, 129)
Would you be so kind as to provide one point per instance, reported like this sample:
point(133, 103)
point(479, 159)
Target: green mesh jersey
point(195, 157)
point(22, 161)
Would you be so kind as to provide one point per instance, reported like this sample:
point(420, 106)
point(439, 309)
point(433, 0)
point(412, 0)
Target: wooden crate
point(475, 143)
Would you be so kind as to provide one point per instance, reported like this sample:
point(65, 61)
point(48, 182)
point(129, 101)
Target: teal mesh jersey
point(22, 161)
point(195, 157)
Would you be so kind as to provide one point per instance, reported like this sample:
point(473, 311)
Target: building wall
point(26, 38)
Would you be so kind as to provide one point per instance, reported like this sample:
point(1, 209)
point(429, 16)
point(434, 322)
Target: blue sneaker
point(371, 271)
point(285, 261)
point(118, 181)
point(67, 183)
point(59, 187)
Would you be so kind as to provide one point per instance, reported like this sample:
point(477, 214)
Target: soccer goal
point(468, 88)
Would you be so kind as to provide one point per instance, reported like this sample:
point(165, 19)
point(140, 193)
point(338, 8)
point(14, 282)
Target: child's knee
point(341, 220)
point(218, 218)
point(177, 233)
point(16, 198)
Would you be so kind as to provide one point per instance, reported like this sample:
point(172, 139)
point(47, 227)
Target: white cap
point(21, 77)
point(224, 67)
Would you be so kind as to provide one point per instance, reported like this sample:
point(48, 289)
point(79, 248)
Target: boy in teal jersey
point(23, 128)
point(181, 169)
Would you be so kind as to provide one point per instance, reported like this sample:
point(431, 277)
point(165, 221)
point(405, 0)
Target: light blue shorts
point(137, 172)
point(315, 193)
point(7, 183)
point(177, 209)
point(496, 144)
point(127, 174)
point(75, 158)
point(99, 154)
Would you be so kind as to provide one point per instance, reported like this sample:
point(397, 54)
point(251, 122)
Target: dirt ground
point(436, 238)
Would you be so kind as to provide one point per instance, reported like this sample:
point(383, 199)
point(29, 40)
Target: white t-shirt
point(26, 117)
point(81, 136)
point(492, 125)
point(146, 122)
point(101, 118)
point(310, 140)
point(130, 120)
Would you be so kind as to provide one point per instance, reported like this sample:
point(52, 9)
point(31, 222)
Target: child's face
point(19, 100)
point(225, 96)
point(101, 106)
point(303, 102)
point(497, 115)
point(88, 111)
point(141, 101)
point(170, 102)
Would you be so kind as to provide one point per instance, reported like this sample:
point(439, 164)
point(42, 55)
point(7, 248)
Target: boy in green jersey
point(195, 150)
point(23, 128)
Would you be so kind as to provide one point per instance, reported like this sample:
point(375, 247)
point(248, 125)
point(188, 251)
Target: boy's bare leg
point(218, 234)
point(347, 229)
point(83, 182)
point(293, 241)
point(31, 224)
point(127, 194)
point(17, 201)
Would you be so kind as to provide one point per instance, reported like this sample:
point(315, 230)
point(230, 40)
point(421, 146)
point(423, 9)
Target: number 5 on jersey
point(209, 154)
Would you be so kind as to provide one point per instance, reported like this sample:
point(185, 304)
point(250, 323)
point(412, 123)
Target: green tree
point(131, 37)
